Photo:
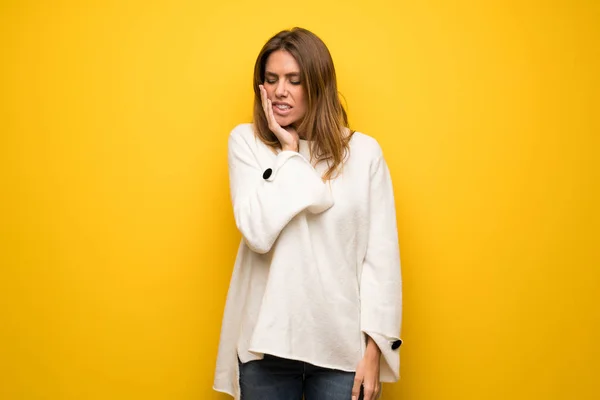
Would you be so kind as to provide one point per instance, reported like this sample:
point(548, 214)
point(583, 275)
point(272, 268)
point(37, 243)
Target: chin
point(283, 122)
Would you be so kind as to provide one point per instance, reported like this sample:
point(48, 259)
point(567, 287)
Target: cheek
point(270, 92)
point(301, 102)
point(301, 110)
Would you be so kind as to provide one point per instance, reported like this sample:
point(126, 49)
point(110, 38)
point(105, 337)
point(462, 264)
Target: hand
point(288, 137)
point(367, 373)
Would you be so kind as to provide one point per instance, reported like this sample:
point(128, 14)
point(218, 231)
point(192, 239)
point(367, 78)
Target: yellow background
point(116, 232)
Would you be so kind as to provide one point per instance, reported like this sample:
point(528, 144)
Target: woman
point(314, 303)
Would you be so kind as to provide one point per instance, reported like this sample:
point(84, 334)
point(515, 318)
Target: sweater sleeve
point(381, 281)
point(264, 201)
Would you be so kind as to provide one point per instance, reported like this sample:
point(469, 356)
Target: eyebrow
point(291, 74)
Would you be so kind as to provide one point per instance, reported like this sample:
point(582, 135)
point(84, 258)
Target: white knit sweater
point(318, 266)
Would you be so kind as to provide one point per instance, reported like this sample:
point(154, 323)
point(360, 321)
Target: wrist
point(290, 148)
point(372, 348)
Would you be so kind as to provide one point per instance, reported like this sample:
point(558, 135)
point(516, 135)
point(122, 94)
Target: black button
point(396, 344)
point(267, 173)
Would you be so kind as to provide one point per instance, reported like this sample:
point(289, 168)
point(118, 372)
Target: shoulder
point(243, 131)
point(242, 137)
point(365, 146)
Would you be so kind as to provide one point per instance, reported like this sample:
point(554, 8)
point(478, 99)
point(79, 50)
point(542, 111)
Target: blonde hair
point(326, 121)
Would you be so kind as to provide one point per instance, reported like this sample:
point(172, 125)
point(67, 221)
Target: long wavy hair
point(325, 124)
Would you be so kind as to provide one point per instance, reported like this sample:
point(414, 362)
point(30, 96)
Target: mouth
point(282, 109)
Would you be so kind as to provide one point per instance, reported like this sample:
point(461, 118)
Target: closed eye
point(293, 77)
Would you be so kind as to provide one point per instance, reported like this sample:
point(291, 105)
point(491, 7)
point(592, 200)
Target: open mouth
point(282, 109)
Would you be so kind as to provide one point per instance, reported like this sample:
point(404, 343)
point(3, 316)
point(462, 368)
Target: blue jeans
point(274, 378)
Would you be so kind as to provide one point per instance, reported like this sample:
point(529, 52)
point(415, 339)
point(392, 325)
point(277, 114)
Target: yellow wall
point(116, 232)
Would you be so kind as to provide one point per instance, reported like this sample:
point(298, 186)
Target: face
point(285, 88)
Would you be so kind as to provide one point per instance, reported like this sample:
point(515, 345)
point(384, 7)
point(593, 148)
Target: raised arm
point(266, 200)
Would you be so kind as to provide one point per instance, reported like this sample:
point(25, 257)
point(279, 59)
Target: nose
point(281, 89)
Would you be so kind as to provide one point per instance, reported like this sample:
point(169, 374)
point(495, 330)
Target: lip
point(281, 112)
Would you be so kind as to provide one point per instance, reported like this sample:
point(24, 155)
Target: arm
point(263, 205)
point(381, 285)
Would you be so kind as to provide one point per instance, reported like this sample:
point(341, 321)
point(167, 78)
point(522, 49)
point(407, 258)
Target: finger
point(356, 388)
point(263, 95)
point(266, 104)
point(263, 99)
point(270, 109)
point(272, 116)
point(368, 392)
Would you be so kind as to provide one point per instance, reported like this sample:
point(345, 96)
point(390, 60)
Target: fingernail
point(353, 397)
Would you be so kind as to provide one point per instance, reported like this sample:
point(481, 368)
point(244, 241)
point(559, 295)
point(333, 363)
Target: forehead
point(281, 62)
